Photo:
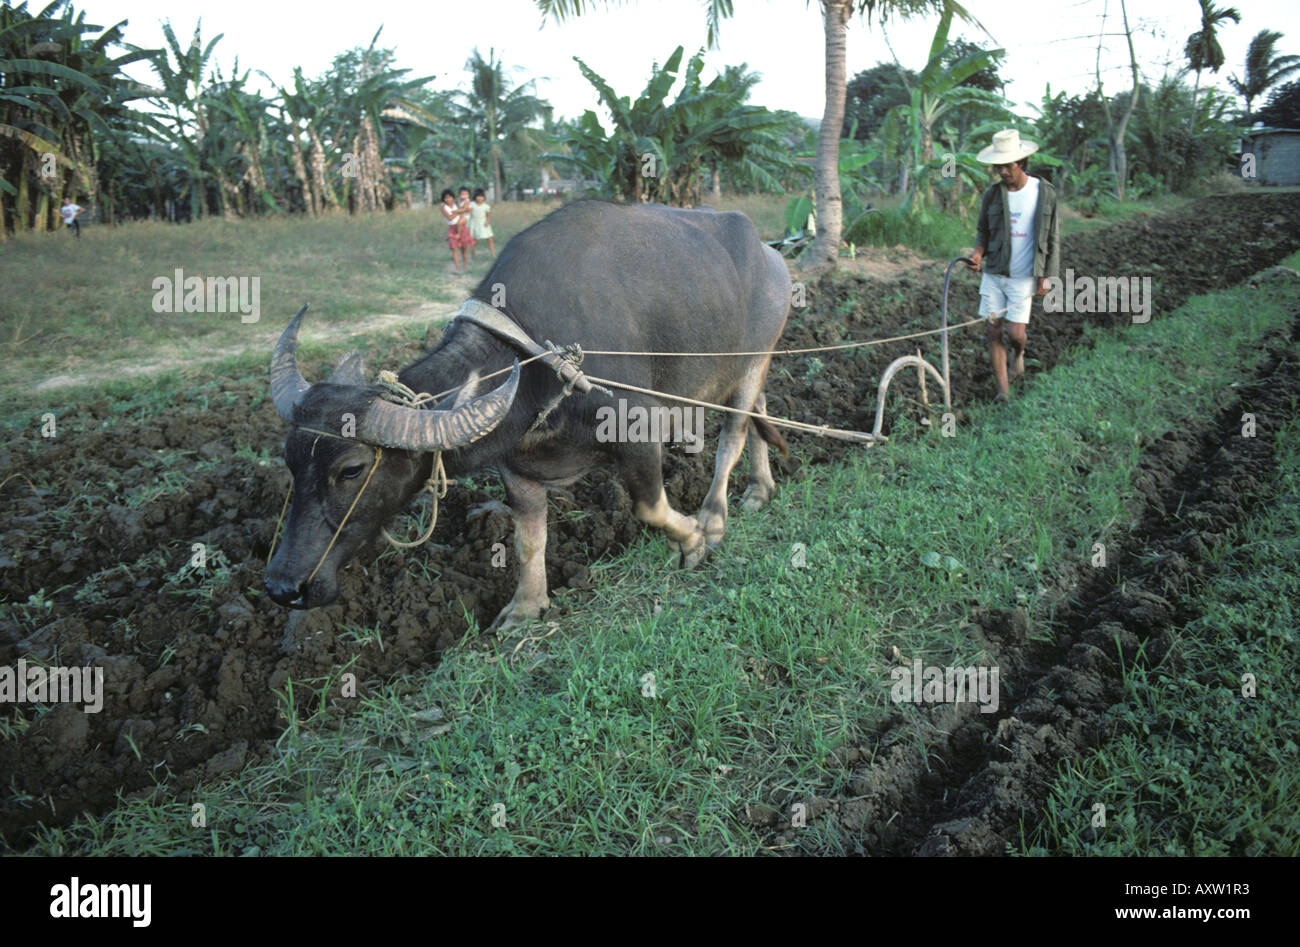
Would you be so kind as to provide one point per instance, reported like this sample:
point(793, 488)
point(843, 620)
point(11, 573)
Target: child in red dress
point(458, 237)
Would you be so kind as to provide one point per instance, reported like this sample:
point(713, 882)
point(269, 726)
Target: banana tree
point(936, 93)
point(660, 147)
point(305, 108)
point(856, 179)
point(184, 77)
point(587, 148)
point(60, 91)
point(366, 97)
point(239, 119)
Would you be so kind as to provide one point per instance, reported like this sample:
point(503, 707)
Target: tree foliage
point(363, 136)
point(1283, 108)
point(661, 145)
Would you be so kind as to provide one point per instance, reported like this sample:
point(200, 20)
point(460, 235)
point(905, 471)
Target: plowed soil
point(104, 521)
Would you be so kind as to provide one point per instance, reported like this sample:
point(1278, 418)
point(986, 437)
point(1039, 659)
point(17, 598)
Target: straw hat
point(1007, 148)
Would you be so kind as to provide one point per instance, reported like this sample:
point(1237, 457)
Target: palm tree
point(501, 113)
point(1263, 69)
point(836, 15)
point(1203, 50)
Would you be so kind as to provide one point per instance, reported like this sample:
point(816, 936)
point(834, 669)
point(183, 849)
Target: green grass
point(1112, 211)
point(670, 700)
point(943, 236)
point(85, 308)
point(767, 211)
point(935, 235)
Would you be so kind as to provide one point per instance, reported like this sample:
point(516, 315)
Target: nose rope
point(275, 537)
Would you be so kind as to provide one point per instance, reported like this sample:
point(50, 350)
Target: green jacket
point(995, 231)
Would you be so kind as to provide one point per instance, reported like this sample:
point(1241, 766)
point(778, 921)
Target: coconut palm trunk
point(830, 205)
point(498, 173)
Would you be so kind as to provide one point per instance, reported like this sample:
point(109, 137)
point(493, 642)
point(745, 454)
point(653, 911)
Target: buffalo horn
point(392, 425)
point(287, 383)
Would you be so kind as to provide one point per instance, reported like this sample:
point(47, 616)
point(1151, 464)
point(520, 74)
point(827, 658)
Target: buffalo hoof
point(755, 498)
point(693, 549)
point(517, 614)
point(714, 526)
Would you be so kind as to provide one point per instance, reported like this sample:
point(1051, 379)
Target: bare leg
point(998, 353)
point(1016, 333)
point(528, 502)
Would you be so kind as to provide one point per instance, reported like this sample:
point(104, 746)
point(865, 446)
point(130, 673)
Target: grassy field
point(72, 307)
point(671, 701)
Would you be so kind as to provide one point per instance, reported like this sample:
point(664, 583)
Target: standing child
point(480, 221)
point(467, 239)
point(457, 235)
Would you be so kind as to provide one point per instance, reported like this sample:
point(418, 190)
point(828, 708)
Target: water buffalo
point(610, 277)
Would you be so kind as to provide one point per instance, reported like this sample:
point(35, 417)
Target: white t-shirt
point(1023, 205)
point(69, 212)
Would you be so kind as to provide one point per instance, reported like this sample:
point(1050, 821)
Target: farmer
point(1019, 231)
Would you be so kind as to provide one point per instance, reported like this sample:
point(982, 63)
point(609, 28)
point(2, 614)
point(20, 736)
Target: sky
point(1047, 41)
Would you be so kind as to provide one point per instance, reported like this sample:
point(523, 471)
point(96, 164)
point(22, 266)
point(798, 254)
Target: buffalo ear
point(351, 370)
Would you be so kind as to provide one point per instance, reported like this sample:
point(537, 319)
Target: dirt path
point(99, 546)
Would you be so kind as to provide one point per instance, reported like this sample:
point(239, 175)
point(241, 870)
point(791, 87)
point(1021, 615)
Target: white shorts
point(1014, 294)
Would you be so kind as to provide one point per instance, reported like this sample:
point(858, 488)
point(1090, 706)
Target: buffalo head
point(357, 459)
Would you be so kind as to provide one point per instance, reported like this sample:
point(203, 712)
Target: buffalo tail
point(768, 432)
